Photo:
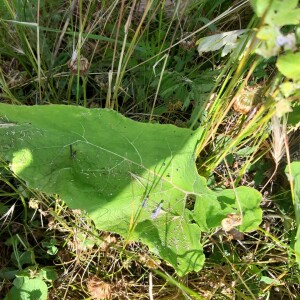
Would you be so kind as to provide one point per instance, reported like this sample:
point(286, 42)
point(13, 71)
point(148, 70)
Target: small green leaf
point(293, 117)
point(84, 242)
point(245, 151)
point(48, 273)
point(12, 241)
point(8, 273)
point(288, 88)
point(289, 65)
point(3, 209)
point(51, 246)
point(225, 40)
point(268, 35)
point(19, 281)
point(27, 289)
point(52, 250)
point(269, 280)
point(21, 258)
point(273, 41)
point(209, 211)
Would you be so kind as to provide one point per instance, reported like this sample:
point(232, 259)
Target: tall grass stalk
point(108, 103)
point(217, 115)
point(165, 59)
point(6, 92)
point(38, 52)
point(122, 67)
point(63, 31)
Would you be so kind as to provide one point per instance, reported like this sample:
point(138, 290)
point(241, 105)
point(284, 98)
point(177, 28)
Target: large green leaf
point(277, 12)
point(132, 178)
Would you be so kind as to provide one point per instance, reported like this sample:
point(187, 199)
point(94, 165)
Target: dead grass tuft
point(98, 289)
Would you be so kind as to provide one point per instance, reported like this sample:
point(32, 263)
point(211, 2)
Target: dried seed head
point(175, 106)
point(188, 43)
point(102, 81)
point(244, 102)
point(83, 65)
point(231, 221)
point(33, 203)
point(108, 241)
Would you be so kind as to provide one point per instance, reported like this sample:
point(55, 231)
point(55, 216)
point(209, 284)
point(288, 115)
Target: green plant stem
point(181, 286)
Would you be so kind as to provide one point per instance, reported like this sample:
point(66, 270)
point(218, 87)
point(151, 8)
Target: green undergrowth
point(149, 149)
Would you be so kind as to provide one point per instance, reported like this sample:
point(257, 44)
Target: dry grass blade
point(278, 137)
point(277, 143)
